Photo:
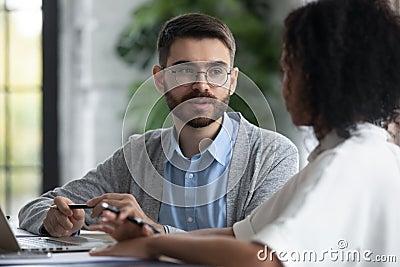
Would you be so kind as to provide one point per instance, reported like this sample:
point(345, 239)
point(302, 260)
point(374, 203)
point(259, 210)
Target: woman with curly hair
point(341, 65)
point(393, 127)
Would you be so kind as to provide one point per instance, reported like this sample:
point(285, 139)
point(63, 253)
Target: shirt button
point(190, 175)
point(190, 219)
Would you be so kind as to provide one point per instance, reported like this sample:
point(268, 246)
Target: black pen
point(73, 206)
point(137, 221)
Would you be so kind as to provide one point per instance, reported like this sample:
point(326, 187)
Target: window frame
point(50, 154)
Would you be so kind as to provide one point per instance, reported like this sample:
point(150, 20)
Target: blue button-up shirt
point(194, 189)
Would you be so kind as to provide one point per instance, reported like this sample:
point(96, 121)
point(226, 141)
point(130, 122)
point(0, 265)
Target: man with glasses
point(210, 170)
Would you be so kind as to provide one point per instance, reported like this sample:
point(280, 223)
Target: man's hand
point(119, 228)
point(62, 221)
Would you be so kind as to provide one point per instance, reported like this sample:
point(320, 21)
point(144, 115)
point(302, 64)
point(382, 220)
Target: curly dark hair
point(349, 51)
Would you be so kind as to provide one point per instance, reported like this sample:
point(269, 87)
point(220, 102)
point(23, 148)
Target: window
point(20, 102)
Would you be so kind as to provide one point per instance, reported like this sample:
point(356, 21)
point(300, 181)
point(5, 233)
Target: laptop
point(9, 243)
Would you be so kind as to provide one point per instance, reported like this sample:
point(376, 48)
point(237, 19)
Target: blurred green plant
point(257, 37)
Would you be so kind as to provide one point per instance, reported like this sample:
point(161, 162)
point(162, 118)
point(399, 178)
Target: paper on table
point(63, 258)
point(97, 235)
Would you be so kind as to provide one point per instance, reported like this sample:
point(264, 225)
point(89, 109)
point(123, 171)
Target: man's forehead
point(193, 49)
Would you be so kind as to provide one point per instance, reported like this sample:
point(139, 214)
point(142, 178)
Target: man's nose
point(201, 76)
point(201, 83)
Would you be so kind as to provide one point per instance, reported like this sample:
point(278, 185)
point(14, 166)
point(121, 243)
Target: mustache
point(196, 94)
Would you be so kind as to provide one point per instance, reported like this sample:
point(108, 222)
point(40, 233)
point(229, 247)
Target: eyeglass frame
point(216, 64)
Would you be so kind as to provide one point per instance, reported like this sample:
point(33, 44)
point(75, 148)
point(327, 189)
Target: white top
point(342, 209)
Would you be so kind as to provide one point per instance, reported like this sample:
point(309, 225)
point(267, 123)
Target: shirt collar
point(218, 149)
point(331, 140)
point(173, 145)
point(222, 144)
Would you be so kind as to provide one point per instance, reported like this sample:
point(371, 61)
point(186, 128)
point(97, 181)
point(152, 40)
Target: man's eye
point(216, 71)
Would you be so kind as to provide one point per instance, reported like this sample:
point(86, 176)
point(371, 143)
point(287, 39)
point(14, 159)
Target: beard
point(196, 118)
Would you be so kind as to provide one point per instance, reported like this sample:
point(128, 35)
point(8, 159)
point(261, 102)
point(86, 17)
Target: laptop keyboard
point(27, 242)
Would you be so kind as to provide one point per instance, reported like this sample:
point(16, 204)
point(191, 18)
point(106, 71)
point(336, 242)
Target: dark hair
point(349, 51)
point(193, 25)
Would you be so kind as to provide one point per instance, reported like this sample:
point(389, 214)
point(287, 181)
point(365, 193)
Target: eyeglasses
point(188, 74)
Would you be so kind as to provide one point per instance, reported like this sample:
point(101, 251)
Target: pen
point(137, 221)
point(73, 206)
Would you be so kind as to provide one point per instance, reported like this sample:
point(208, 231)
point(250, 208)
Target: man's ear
point(233, 80)
point(158, 78)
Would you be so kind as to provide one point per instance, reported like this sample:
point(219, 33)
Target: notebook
point(10, 243)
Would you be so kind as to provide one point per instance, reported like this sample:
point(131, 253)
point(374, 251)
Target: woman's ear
point(158, 78)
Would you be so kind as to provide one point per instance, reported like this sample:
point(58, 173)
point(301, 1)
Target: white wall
point(94, 83)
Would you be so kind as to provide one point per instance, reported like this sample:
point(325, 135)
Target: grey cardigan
point(262, 161)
